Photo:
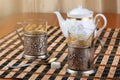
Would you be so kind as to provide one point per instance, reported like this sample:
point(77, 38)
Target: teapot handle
point(104, 25)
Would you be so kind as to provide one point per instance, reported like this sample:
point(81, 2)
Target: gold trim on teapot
point(83, 19)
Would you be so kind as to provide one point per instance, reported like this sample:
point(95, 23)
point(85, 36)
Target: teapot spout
point(62, 23)
point(60, 18)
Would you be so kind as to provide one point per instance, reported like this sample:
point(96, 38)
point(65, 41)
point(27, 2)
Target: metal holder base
point(35, 57)
point(81, 72)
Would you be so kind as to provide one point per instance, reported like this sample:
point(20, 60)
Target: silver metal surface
point(45, 62)
point(88, 72)
point(20, 66)
point(35, 57)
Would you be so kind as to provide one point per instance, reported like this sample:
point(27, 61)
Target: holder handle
point(16, 30)
point(101, 43)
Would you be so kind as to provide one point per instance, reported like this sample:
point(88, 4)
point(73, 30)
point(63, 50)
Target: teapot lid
point(80, 12)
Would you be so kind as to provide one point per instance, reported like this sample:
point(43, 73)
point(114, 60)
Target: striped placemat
point(107, 64)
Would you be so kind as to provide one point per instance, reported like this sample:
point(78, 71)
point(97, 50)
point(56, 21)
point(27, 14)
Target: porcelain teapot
point(80, 21)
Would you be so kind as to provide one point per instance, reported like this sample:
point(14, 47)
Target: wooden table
point(7, 24)
point(11, 50)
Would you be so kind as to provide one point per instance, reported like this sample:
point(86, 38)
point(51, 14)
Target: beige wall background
point(8, 7)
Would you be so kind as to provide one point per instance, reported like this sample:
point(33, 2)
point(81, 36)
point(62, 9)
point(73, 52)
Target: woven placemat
point(107, 63)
